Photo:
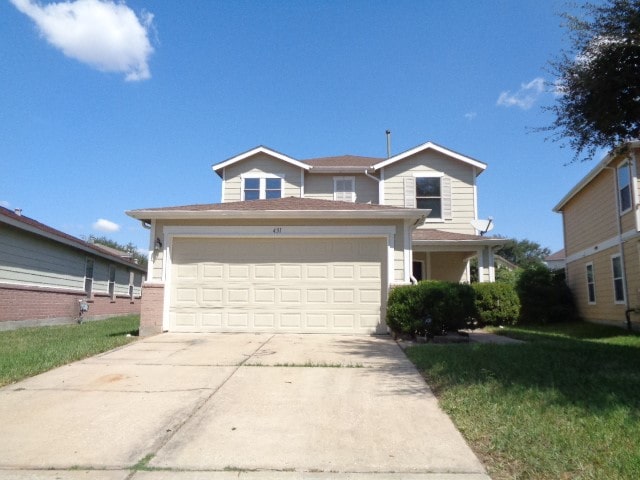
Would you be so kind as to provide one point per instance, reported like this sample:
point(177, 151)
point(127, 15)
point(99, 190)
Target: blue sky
point(127, 105)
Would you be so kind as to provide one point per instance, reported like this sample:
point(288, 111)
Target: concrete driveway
point(187, 407)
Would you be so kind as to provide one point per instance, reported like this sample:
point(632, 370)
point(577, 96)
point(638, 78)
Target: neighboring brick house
point(313, 246)
point(44, 273)
point(601, 220)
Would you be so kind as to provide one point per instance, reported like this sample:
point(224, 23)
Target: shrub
point(496, 303)
point(544, 296)
point(448, 304)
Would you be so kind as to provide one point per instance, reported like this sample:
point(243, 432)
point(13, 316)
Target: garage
point(297, 285)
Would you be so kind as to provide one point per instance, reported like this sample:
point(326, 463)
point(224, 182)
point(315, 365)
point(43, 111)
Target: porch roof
point(433, 237)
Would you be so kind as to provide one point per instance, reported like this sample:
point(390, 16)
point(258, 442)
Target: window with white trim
point(344, 189)
point(591, 284)
point(88, 276)
point(618, 280)
point(429, 195)
point(112, 281)
point(624, 187)
point(260, 188)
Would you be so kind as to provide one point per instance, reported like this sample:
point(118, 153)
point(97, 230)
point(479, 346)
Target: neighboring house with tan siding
point(45, 273)
point(313, 245)
point(601, 220)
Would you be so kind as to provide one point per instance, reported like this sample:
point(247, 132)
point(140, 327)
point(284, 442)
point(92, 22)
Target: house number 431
point(277, 230)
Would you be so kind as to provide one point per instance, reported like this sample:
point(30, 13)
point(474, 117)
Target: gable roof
point(288, 207)
point(590, 176)
point(27, 224)
point(254, 151)
point(437, 148)
point(343, 161)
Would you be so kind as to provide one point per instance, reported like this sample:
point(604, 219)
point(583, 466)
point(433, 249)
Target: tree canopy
point(129, 248)
point(598, 79)
point(523, 253)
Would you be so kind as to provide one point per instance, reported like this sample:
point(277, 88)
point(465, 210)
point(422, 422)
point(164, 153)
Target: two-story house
point(601, 221)
point(312, 245)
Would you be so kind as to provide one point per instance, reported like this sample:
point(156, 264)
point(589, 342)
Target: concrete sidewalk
point(232, 406)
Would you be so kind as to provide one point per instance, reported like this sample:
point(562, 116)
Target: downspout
point(628, 308)
point(372, 177)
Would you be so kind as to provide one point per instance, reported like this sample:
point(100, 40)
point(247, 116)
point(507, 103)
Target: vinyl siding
point(256, 165)
point(29, 260)
point(321, 186)
point(591, 216)
point(462, 178)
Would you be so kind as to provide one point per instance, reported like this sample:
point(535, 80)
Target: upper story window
point(344, 189)
point(429, 195)
point(260, 188)
point(624, 187)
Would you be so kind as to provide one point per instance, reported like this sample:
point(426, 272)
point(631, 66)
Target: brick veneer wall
point(33, 306)
point(152, 309)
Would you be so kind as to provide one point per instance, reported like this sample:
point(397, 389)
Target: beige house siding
point(448, 266)
point(462, 187)
point(321, 186)
point(591, 216)
point(256, 165)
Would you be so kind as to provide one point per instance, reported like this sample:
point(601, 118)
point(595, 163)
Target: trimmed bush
point(544, 296)
point(496, 303)
point(450, 306)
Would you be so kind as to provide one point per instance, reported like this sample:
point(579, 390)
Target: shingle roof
point(278, 204)
point(433, 235)
point(32, 225)
point(559, 255)
point(343, 161)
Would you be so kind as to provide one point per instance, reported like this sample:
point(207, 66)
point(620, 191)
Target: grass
point(565, 405)
point(29, 351)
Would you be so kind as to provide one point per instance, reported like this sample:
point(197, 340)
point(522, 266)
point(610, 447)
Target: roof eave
point(489, 242)
point(432, 146)
point(148, 215)
point(590, 176)
point(260, 149)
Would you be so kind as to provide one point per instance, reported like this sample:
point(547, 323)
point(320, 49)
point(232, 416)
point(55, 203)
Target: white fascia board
point(432, 146)
point(409, 213)
point(260, 149)
point(487, 242)
point(589, 177)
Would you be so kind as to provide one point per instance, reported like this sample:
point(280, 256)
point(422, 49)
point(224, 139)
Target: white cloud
point(470, 115)
point(103, 225)
point(525, 97)
point(101, 33)
point(5, 203)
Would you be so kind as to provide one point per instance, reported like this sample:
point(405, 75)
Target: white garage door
point(308, 285)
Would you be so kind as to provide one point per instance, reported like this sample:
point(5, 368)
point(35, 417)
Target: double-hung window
point(624, 187)
point(591, 284)
point(429, 195)
point(88, 277)
point(344, 189)
point(112, 281)
point(618, 281)
point(261, 188)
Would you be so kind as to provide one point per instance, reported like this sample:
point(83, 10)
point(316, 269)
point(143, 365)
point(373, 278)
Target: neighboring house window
point(591, 284)
point(624, 186)
point(428, 195)
point(112, 281)
point(131, 282)
point(260, 188)
point(344, 189)
point(618, 282)
point(88, 277)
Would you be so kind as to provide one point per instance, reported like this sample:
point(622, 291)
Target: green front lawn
point(28, 351)
point(565, 405)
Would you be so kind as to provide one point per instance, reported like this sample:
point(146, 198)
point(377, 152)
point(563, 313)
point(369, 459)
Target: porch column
point(486, 269)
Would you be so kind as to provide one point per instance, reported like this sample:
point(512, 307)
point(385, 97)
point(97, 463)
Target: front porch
point(440, 255)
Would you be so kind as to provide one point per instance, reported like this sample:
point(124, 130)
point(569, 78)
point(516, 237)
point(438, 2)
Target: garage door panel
point(279, 285)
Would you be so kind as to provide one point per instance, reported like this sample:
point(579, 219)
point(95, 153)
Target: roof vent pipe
point(18, 211)
point(388, 132)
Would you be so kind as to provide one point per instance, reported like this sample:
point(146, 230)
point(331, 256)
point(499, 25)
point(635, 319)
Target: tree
point(598, 79)
point(523, 253)
point(129, 248)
